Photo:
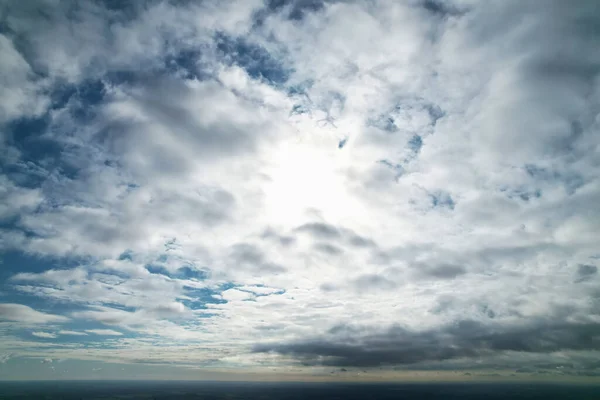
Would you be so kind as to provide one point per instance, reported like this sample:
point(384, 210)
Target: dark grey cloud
point(585, 272)
point(284, 240)
point(373, 282)
point(328, 287)
point(209, 205)
point(250, 257)
point(462, 339)
point(247, 253)
point(441, 8)
point(342, 236)
point(320, 230)
point(360, 241)
point(441, 271)
point(328, 249)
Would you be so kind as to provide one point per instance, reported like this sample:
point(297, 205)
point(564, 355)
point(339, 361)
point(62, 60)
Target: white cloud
point(104, 332)
point(71, 333)
point(16, 200)
point(4, 358)
point(22, 93)
point(45, 335)
point(22, 313)
point(236, 295)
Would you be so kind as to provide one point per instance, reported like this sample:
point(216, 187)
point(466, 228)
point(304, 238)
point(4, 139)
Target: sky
point(305, 189)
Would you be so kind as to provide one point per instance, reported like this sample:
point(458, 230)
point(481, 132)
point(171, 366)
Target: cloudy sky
point(201, 189)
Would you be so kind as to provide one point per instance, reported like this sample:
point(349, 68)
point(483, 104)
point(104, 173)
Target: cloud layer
point(299, 185)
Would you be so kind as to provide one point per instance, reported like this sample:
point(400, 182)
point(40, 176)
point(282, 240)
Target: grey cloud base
point(467, 339)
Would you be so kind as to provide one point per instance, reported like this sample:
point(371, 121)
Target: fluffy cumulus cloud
point(301, 185)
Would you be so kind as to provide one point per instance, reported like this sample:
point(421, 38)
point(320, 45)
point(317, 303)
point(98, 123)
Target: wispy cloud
point(71, 333)
point(104, 332)
point(22, 313)
point(45, 335)
point(5, 357)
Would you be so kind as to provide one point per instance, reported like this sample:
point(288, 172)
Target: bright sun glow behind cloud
point(307, 175)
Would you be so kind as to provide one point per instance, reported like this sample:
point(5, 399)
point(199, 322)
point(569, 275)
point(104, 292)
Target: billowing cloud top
point(299, 186)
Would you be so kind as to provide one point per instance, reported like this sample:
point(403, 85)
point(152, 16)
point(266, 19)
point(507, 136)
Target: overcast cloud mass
point(191, 188)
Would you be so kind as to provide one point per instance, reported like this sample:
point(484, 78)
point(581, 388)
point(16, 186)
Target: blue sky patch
point(13, 262)
point(441, 199)
point(256, 60)
point(187, 64)
point(415, 143)
point(200, 297)
point(296, 9)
